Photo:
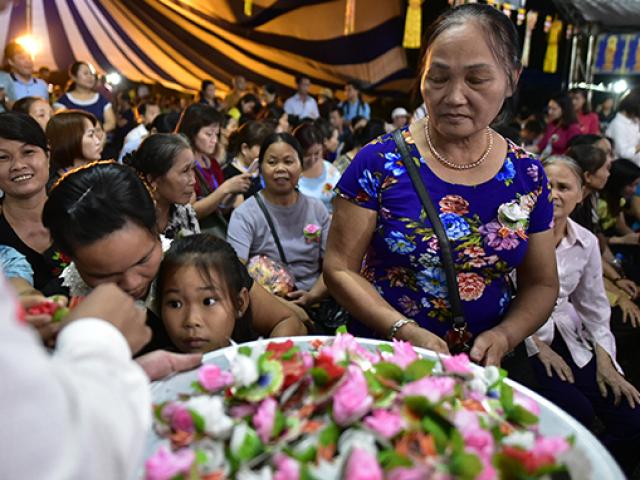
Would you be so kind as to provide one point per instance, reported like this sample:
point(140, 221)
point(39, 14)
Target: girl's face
point(210, 92)
point(129, 257)
point(312, 156)
point(206, 139)
point(248, 107)
point(41, 111)
point(177, 185)
point(578, 100)
point(85, 77)
point(566, 190)
point(24, 169)
point(554, 111)
point(598, 179)
point(332, 143)
point(630, 190)
point(91, 141)
point(283, 124)
point(197, 312)
point(281, 168)
point(249, 154)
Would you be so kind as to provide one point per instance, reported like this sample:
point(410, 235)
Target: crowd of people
point(248, 216)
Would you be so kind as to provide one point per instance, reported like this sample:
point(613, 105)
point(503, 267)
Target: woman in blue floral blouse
point(383, 261)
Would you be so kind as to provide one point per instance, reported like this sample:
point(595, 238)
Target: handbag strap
point(445, 247)
point(272, 227)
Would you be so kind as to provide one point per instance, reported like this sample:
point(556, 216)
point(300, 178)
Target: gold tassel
point(521, 16)
point(350, 17)
point(413, 25)
point(247, 7)
point(551, 56)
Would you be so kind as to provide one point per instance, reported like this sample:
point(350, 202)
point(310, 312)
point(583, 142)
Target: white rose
point(263, 474)
point(357, 438)
point(244, 371)
point(478, 385)
point(490, 375)
point(211, 409)
point(524, 440)
point(513, 212)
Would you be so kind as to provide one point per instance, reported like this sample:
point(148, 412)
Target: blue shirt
point(488, 226)
point(96, 105)
point(14, 264)
point(35, 87)
point(355, 109)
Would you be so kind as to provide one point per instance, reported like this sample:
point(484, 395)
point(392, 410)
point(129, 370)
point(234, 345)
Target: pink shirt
point(558, 137)
point(582, 311)
point(589, 123)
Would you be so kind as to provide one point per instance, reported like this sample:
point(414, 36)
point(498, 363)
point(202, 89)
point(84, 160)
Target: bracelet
point(398, 325)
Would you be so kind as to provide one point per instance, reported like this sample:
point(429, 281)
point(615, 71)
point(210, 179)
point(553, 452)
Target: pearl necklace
point(456, 166)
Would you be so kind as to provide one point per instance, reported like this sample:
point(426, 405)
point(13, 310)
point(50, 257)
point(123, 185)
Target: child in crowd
point(204, 296)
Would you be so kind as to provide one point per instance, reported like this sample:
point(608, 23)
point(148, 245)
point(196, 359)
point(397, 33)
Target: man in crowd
point(302, 105)
point(23, 83)
point(147, 113)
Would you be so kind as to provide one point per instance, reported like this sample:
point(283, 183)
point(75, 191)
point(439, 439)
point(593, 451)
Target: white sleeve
point(625, 141)
point(83, 412)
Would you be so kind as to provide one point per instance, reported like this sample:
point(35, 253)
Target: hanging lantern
point(413, 25)
point(247, 7)
point(506, 9)
point(491, 2)
point(551, 55)
point(532, 19)
point(350, 17)
point(547, 23)
point(521, 16)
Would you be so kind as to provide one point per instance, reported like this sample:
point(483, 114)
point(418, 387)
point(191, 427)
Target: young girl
point(204, 296)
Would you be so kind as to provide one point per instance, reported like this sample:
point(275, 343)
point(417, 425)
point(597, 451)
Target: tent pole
point(572, 61)
point(29, 16)
point(589, 67)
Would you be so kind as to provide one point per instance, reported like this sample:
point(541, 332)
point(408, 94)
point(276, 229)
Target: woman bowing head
point(384, 260)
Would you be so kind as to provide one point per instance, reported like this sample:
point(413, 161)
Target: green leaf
point(305, 456)
point(201, 457)
point(438, 430)
point(157, 411)
point(373, 384)
point(417, 404)
point(278, 424)
point(521, 416)
point(244, 351)
point(465, 466)
point(251, 446)
point(330, 435)
point(389, 370)
point(197, 387)
point(390, 459)
point(341, 329)
point(457, 442)
point(291, 353)
point(320, 376)
point(198, 421)
point(506, 397)
point(385, 347)
point(418, 369)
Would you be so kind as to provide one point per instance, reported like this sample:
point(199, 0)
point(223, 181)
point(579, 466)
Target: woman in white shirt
point(624, 129)
point(566, 369)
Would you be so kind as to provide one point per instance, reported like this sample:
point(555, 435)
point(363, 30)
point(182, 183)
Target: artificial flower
point(362, 465)
point(166, 465)
point(211, 409)
point(213, 378)
point(264, 419)
point(286, 467)
point(244, 371)
point(351, 400)
point(433, 389)
point(385, 423)
point(457, 364)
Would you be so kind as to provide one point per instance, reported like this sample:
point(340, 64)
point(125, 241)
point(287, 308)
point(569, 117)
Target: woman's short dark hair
point(324, 127)
point(206, 252)
point(586, 108)
point(24, 104)
point(197, 116)
point(93, 201)
point(166, 122)
point(586, 139)
point(589, 157)
point(630, 104)
point(308, 135)
point(205, 84)
point(252, 133)
point(623, 173)
point(21, 127)
point(156, 154)
point(65, 131)
point(364, 134)
point(280, 137)
point(566, 105)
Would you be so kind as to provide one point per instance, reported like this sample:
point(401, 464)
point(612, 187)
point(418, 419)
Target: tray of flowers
point(327, 408)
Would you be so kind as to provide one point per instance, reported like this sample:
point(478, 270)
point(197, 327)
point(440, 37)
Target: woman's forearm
point(289, 327)
point(319, 290)
point(209, 204)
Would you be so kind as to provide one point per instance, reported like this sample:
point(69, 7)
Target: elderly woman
point(384, 263)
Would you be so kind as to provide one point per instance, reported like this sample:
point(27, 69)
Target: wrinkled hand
point(490, 347)
point(608, 376)
point(630, 311)
point(554, 363)
point(420, 337)
point(301, 298)
point(630, 239)
point(238, 184)
point(627, 286)
point(160, 363)
point(47, 328)
point(111, 304)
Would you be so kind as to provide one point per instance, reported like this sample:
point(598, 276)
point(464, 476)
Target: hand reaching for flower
point(490, 347)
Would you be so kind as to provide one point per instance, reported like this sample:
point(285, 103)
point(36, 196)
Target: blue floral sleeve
point(360, 183)
point(542, 214)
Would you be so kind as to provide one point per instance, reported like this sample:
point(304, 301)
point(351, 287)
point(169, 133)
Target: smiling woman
point(384, 260)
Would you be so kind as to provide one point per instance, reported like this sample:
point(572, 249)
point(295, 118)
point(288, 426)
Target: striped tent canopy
point(180, 42)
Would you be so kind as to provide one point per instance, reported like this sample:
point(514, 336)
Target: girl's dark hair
point(206, 253)
point(90, 202)
point(588, 157)
point(197, 116)
point(586, 108)
point(22, 128)
point(308, 135)
point(65, 131)
point(324, 127)
point(204, 85)
point(585, 139)
point(252, 133)
point(166, 122)
point(156, 154)
point(24, 104)
point(363, 135)
point(280, 137)
point(623, 173)
point(501, 35)
point(568, 113)
point(630, 104)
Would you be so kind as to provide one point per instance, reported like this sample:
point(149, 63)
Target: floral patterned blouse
point(488, 226)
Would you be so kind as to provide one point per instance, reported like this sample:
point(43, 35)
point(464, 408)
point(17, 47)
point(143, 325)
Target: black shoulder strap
point(445, 246)
point(263, 207)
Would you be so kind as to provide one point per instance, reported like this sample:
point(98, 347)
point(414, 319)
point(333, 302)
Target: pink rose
point(550, 447)
point(387, 424)
point(165, 465)
point(480, 442)
point(212, 378)
point(286, 467)
point(351, 400)
point(403, 354)
point(457, 364)
point(432, 388)
point(244, 410)
point(362, 465)
point(526, 403)
point(410, 473)
point(177, 415)
point(488, 472)
point(264, 419)
point(344, 344)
